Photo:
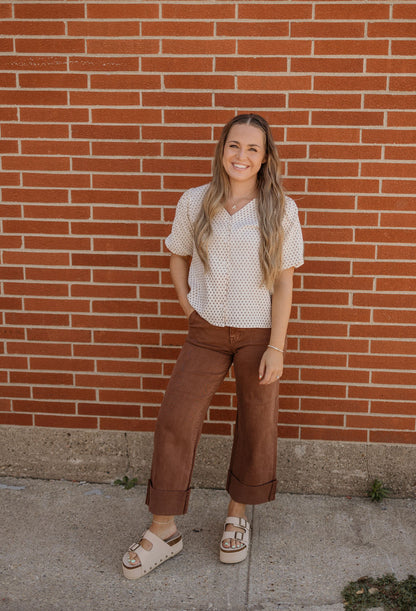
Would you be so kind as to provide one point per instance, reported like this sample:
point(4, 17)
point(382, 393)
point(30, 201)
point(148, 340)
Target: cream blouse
point(231, 293)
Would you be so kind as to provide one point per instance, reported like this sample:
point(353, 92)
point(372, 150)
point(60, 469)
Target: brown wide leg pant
point(203, 363)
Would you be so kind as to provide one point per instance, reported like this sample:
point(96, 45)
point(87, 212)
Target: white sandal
point(161, 550)
point(229, 555)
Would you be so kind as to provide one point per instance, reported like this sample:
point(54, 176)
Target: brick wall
point(109, 111)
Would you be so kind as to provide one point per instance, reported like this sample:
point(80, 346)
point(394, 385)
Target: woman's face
point(244, 153)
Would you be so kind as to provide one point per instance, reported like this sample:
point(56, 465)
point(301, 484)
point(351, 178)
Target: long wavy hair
point(270, 201)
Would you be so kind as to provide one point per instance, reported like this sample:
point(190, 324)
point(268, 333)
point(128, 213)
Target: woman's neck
point(243, 190)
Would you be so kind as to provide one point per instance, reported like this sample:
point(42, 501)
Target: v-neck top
point(232, 292)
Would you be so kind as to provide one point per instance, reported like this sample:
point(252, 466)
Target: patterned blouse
point(232, 292)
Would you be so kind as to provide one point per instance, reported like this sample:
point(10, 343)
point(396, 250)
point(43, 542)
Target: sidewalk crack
point(247, 597)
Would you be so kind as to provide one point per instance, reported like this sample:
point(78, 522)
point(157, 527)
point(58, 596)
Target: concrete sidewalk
point(62, 544)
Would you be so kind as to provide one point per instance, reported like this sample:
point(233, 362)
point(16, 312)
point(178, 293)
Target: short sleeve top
point(232, 292)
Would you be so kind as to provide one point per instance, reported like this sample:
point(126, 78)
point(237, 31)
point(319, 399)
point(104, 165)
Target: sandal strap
point(240, 522)
point(238, 536)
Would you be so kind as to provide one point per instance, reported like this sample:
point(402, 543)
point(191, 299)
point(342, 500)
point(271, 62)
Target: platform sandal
point(162, 549)
point(230, 555)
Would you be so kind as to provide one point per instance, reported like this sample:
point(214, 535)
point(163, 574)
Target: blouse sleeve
point(180, 240)
point(292, 252)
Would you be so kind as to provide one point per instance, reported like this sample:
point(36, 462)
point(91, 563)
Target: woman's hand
point(188, 311)
point(271, 366)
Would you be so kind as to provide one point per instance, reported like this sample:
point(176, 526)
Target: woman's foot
point(162, 529)
point(235, 510)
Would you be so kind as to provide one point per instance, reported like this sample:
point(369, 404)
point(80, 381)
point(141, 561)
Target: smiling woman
point(244, 240)
point(244, 154)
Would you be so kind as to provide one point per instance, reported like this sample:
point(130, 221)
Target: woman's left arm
point(271, 365)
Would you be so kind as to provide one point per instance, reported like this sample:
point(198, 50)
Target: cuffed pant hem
point(250, 495)
point(167, 502)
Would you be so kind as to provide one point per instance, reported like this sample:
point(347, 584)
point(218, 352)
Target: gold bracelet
point(274, 348)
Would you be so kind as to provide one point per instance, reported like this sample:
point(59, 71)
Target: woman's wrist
point(273, 347)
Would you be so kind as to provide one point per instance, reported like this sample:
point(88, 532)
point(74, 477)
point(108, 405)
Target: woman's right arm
point(179, 267)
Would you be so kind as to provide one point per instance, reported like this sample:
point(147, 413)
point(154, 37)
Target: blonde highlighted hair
point(270, 201)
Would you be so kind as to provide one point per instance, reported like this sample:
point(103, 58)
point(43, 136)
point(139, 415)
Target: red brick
point(142, 181)
point(103, 64)
point(6, 10)
point(16, 419)
point(177, 29)
point(125, 337)
point(39, 227)
point(75, 394)
point(53, 80)
point(126, 424)
point(32, 28)
point(34, 98)
point(6, 45)
point(392, 408)
point(109, 409)
point(380, 392)
point(200, 82)
point(338, 313)
point(126, 81)
point(390, 29)
point(253, 64)
point(50, 45)
point(25, 130)
point(38, 348)
point(352, 11)
point(386, 316)
point(392, 437)
point(333, 434)
point(125, 149)
point(89, 28)
point(55, 180)
point(67, 422)
point(326, 168)
point(48, 407)
point(177, 64)
point(347, 185)
point(322, 29)
point(32, 258)
point(240, 29)
point(216, 428)
point(403, 47)
point(391, 65)
point(399, 170)
point(7, 80)
point(8, 146)
point(389, 101)
point(113, 10)
point(398, 378)
point(380, 422)
point(28, 62)
point(199, 10)
point(122, 46)
point(351, 47)
point(401, 119)
point(274, 83)
point(36, 163)
point(315, 134)
point(314, 419)
point(201, 46)
point(9, 179)
point(334, 405)
point(49, 10)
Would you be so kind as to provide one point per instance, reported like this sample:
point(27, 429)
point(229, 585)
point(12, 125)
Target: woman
point(245, 241)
